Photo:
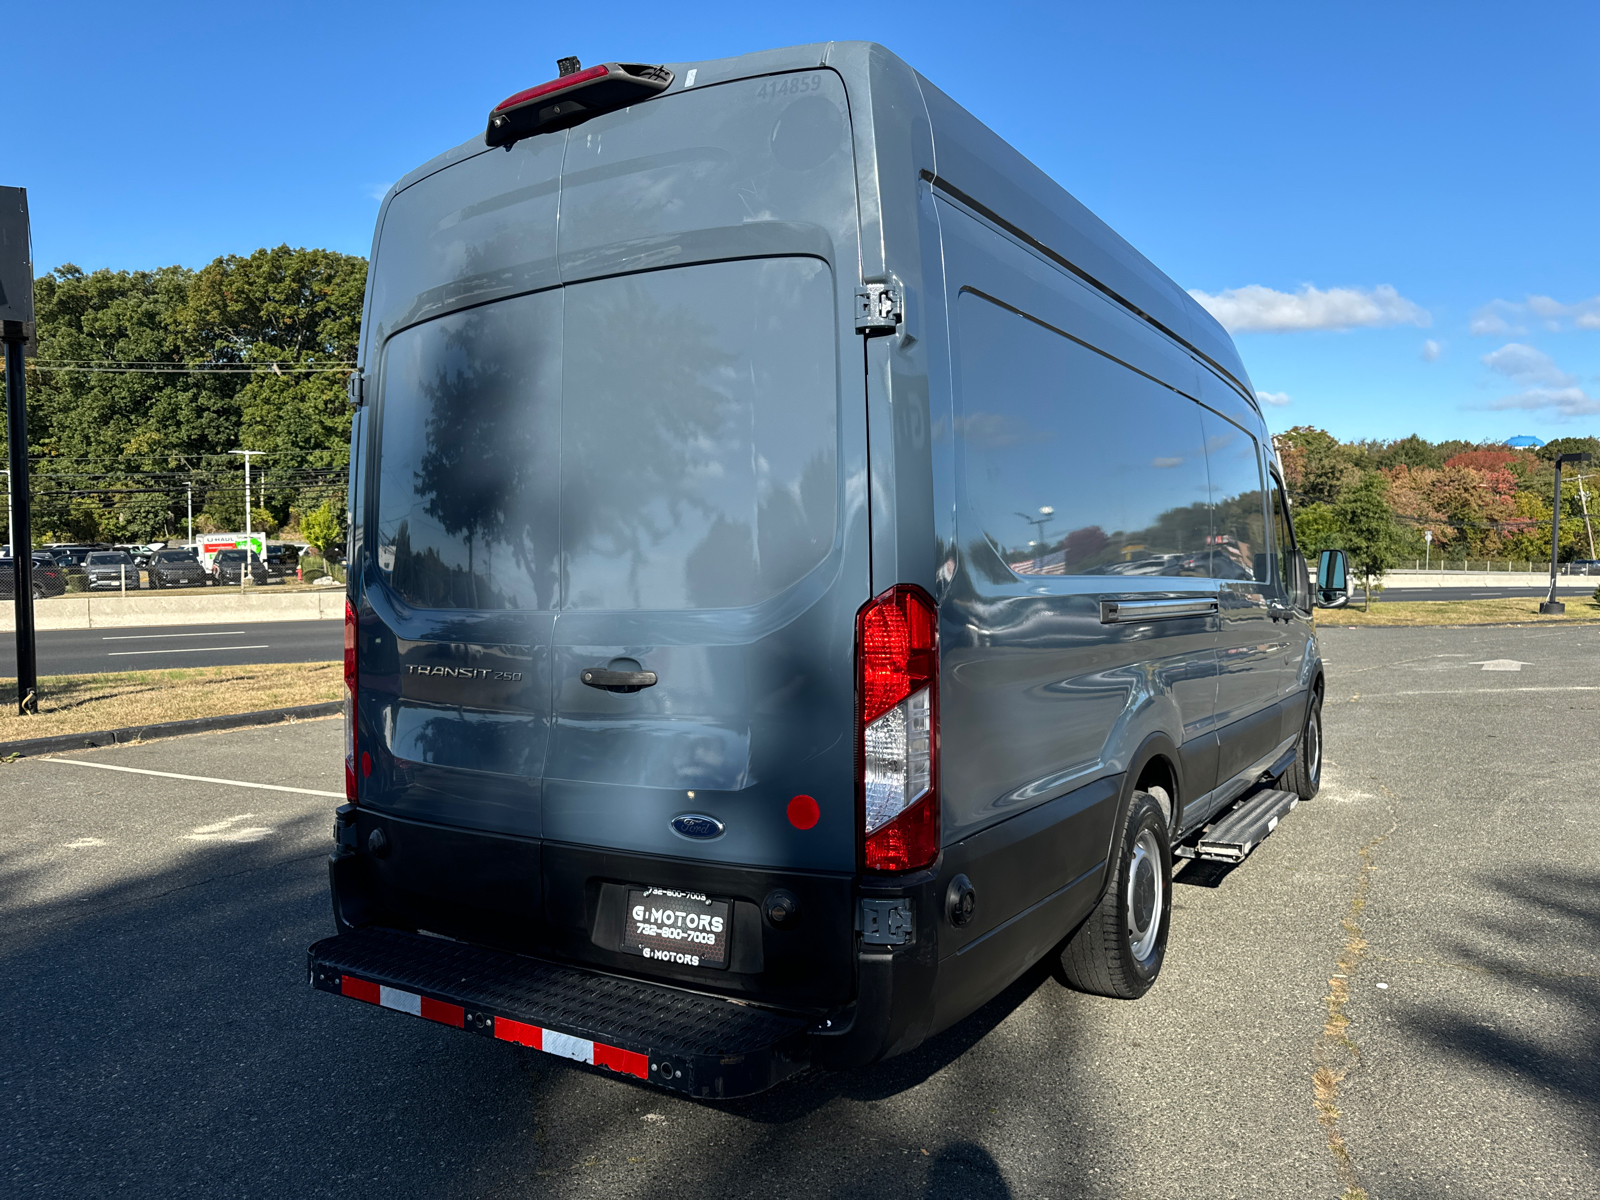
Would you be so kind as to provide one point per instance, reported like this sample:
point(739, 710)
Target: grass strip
point(1510, 610)
point(85, 703)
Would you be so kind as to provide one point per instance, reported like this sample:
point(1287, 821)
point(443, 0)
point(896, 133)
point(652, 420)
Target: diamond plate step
point(681, 1040)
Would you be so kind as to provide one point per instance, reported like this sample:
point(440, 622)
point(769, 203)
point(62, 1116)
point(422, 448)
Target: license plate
point(683, 928)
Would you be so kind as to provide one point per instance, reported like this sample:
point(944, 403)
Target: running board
point(689, 1042)
point(1242, 830)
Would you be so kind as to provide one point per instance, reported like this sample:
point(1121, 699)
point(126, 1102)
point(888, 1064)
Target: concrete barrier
point(212, 607)
point(1480, 579)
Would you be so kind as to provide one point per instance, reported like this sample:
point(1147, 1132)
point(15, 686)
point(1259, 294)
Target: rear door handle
point(617, 681)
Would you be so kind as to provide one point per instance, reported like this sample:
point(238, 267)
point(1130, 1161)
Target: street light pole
point(248, 543)
point(1552, 606)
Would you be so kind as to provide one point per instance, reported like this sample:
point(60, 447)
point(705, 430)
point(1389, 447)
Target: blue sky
point(1392, 204)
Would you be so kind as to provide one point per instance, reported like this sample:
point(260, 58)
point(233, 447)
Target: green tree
point(322, 526)
point(1316, 465)
point(1316, 528)
point(1368, 530)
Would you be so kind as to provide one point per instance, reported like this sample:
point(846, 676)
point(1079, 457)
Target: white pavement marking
point(84, 843)
point(224, 831)
point(1484, 691)
point(183, 650)
point(1501, 664)
point(266, 787)
point(138, 637)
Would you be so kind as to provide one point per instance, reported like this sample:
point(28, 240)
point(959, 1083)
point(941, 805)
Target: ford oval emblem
point(697, 826)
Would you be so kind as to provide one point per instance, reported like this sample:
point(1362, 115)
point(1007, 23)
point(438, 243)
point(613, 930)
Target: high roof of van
point(948, 147)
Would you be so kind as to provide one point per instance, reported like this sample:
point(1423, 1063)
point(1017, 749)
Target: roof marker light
point(576, 94)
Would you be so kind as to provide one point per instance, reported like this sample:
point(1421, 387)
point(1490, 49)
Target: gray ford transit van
point(805, 569)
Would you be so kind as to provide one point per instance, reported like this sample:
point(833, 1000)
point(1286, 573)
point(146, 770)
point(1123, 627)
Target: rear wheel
point(1118, 951)
point(1304, 778)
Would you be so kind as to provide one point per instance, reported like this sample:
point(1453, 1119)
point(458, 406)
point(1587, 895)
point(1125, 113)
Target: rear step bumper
point(684, 1041)
point(1241, 831)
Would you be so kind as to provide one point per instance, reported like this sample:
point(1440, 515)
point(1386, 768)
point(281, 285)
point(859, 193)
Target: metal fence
point(1493, 564)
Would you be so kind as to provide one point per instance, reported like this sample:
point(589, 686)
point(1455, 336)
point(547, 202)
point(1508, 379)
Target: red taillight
point(897, 656)
point(349, 702)
point(555, 85)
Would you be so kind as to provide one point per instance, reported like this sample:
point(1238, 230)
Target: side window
point(1283, 536)
point(1071, 463)
point(1238, 509)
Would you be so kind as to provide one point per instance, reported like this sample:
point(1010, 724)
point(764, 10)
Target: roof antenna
point(568, 66)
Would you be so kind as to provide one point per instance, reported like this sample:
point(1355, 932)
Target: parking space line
point(139, 637)
point(266, 787)
point(183, 650)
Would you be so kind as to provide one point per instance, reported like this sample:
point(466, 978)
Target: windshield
point(109, 560)
point(230, 556)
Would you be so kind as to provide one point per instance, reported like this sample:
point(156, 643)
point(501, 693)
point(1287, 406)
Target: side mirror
point(1333, 573)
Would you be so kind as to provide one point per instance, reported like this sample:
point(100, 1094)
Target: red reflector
point(804, 812)
point(555, 85)
point(445, 1014)
point(359, 989)
point(909, 841)
point(508, 1030)
point(629, 1062)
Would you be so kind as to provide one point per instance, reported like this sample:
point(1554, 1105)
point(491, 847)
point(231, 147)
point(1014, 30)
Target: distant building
point(1524, 441)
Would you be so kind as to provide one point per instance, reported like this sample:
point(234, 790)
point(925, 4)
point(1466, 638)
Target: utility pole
point(189, 488)
point(1583, 499)
point(248, 544)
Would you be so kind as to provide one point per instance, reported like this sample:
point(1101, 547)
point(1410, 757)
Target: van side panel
point(1065, 408)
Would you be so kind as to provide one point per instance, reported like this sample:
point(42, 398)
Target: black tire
point(1113, 953)
point(38, 591)
point(1304, 778)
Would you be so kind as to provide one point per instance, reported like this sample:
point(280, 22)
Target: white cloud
point(1431, 350)
point(1564, 403)
point(378, 190)
point(1484, 323)
point(1278, 398)
point(1501, 316)
point(1257, 309)
point(1525, 365)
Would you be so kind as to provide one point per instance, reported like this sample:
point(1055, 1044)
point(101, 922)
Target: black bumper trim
point(702, 1045)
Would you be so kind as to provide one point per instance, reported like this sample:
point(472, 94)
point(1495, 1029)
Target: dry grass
point(84, 703)
point(1516, 610)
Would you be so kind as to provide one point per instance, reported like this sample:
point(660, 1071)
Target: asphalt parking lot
point(1398, 992)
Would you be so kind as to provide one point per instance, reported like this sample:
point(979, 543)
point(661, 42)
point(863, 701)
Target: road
point(86, 651)
point(1564, 590)
point(1415, 950)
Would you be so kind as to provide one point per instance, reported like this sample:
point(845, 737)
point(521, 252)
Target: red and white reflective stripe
point(613, 1058)
point(564, 1045)
point(406, 1002)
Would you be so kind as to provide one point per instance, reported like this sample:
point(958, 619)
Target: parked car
point(707, 717)
point(68, 554)
point(110, 571)
point(229, 565)
point(282, 558)
point(176, 568)
point(1583, 566)
point(48, 579)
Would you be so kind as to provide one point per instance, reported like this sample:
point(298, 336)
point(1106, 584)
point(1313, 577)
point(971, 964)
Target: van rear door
point(699, 505)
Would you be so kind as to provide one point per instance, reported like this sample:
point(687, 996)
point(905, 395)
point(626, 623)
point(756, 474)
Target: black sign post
point(1551, 606)
point(16, 327)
